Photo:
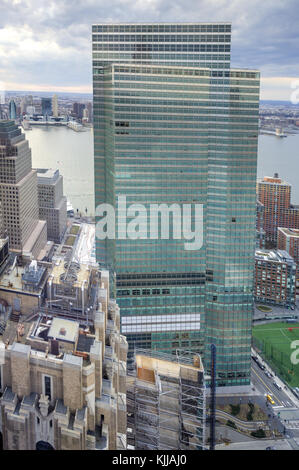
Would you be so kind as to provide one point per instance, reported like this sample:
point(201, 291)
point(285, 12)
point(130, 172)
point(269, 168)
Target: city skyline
point(50, 48)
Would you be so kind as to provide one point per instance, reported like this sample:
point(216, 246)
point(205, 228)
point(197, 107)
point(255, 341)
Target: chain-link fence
point(279, 361)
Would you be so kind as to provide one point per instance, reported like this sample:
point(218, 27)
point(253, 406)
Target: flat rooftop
point(11, 279)
point(47, 175)
point(292, 232)
point(11, 330)
point(81, 274)
point(279, 256)
point(84, 248)
point(64, 330)
point(273, 180)
point(29, 245)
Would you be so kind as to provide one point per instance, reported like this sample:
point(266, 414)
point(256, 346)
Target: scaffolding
point(166, 404)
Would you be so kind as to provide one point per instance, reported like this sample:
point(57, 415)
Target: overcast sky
point(45, 45)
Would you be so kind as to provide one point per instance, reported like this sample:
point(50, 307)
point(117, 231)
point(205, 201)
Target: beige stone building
point(52, 203)
point(18, 193)
point(63, 377)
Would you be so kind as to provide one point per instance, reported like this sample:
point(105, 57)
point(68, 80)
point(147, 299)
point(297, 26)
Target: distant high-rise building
point(52, 203)
point(12, 110)
point(46, 104)
point(175, 124)
point(18, 193)
point(23, 106)
point(55, 105)
point(89, 107)
point(275, 195)
point(30, 110)
point(78, 109)
point(85, 114)
point(29, 99)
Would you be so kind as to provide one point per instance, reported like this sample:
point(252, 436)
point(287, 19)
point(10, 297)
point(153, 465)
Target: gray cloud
point(48, 42)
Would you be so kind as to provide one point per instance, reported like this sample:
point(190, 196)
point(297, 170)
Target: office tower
point(23, 106)
point(63, 378)
point(166, 403)
point(275, 278)
point(288, 240)
point(275, 195)
point(18, 193)
point(85, 114)
point(12, 110)
point(52, 203)
point(46, 104)
point(173, 123)
point(78, 109)
point(89, 108)
point(29, 100)
point(30, 110)
point(55, 106)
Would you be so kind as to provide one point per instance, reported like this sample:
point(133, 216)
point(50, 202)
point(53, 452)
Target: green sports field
point(274, 340)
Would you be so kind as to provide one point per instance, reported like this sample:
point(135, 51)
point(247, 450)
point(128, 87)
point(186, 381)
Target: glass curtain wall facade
point(174, 124)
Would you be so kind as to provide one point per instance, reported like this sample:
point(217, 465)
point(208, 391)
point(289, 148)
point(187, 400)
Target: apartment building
point(275, 195)
point(275, 278)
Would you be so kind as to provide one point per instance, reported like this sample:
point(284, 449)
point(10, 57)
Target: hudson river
point(72, 153)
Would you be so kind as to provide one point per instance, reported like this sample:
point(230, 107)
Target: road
point(256, 445)
point(285, 406)
point(265, 385)
point(277, 312)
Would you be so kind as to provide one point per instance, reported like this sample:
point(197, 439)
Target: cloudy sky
point(45, 45)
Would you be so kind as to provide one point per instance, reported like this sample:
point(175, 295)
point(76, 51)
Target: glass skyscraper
point(12, 110)
point(46, 104)
point(174, 124)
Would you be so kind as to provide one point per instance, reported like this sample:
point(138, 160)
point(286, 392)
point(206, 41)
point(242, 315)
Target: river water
point(72, 153)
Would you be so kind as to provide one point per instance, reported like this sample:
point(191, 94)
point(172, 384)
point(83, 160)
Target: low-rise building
point(275, 278)
point(22, 287)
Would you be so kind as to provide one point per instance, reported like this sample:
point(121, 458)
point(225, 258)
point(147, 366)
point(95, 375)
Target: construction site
point(166, 402)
